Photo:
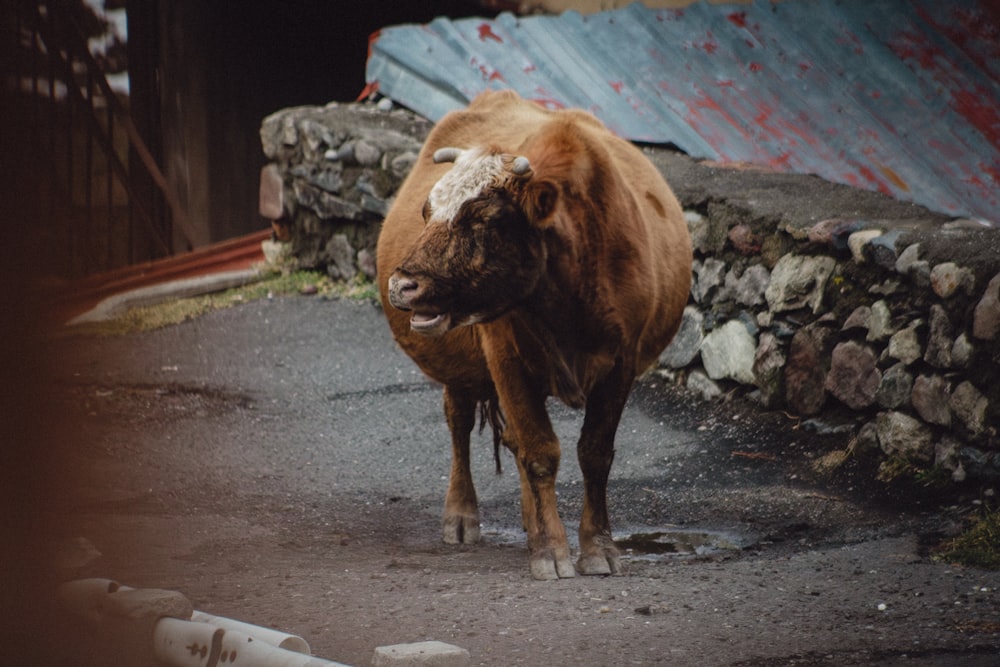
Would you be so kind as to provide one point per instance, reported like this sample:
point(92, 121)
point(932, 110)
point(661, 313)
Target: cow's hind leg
point(461, 509)
point(596, 452)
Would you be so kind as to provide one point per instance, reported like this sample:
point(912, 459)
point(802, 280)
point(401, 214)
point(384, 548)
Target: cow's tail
point(489, 412)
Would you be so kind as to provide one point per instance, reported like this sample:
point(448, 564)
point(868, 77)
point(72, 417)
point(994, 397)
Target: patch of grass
point(175, 311)
point(979, 546)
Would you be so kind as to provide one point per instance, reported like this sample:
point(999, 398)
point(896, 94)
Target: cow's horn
point(521, 166)
point(447, 154)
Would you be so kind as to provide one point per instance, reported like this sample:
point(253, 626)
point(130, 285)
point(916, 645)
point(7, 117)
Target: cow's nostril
point(402, 291)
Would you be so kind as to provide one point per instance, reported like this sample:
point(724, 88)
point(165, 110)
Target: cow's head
point(481, 250)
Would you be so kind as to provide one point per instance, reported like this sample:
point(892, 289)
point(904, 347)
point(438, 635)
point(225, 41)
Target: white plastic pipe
point(267, 635)
point(195, 644)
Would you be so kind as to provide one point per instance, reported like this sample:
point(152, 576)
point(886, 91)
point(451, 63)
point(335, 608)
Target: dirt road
point(284, 464)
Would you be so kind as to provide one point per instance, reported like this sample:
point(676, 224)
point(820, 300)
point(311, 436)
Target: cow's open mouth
point(431, 324)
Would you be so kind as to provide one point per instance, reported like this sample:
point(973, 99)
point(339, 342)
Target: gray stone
point(895, 388)
point(961, 352)
point(834, 232)
point(380, 207)
point(324, 204)
point(853, 378)
point(901, 435)
point(947, 277)
point(905, 345)
point(745, 240)
point(768, 366)
point(888, 287)
point(421, 654)
point(906, 258)
point(366, 154)
point(328, 177)
point(860, 318)
point(986, 318)
point(728, 352)
point(939, 338)
point(881, 250)
point(798, 281)
point(946, 456)
point(271, 193)
point(402, 164)
point(752, 285)
point(981, 465)
point(700, 230)
point(700, 383)
point(920, 273)
point(341, 258)
point(930, 399)
point(366, 262)
point(969, 407)
point(858, 240)
point(805, 372)
point(276, 253)
point(880, 326)
point(708, 275)
point(683, 349)
point(866, 441)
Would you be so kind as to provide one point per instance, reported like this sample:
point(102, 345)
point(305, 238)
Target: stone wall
point(844, 307)
point(855, 322)
point(333, 174)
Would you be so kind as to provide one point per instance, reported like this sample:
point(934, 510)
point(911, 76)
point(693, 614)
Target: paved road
point(282, 462)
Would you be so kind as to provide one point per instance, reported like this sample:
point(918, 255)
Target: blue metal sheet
point(900, 96)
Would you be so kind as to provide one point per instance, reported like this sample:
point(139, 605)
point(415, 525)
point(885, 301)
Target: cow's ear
point(540, 202)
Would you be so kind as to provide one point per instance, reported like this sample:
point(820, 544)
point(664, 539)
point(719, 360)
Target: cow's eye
point(426, 210)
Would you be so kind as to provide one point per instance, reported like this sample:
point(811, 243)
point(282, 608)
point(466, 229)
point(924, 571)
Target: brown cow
point(535, 254)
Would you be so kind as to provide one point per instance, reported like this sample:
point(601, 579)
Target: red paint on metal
point(914, 47)
point(870, 176)
point(367, 91)
point(893, 177)
point(710, 46)
point(979, 110)
point(978, 36)
point(618, 86)
point(546, 99)
point(486, 32)
point(738, 19)
point(993, 171)
point(232, 255)
point(756, 67)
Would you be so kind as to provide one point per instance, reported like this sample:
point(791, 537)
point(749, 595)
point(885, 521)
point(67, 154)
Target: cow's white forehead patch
point(473, 171)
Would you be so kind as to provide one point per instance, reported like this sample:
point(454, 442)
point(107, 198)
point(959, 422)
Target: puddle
point(659, 544)
point(648, 543)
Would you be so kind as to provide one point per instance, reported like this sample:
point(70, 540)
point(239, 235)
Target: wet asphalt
point(305, 407)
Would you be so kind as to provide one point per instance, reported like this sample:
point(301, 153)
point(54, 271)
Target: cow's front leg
point(596, 452)
point(461, 510)
point(537, 464)
point(528, 434)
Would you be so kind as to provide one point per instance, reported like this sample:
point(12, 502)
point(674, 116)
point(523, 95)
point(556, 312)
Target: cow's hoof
point(600, 557)
point(599, 564)
point(461, 529)
point(545, 567)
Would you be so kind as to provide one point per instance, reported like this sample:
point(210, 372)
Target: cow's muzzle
point(404, 294)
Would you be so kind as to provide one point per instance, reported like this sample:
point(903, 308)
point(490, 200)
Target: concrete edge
point(115, 305)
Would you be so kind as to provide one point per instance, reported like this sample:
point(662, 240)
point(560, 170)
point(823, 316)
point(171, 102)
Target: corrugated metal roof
point(900, 96)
